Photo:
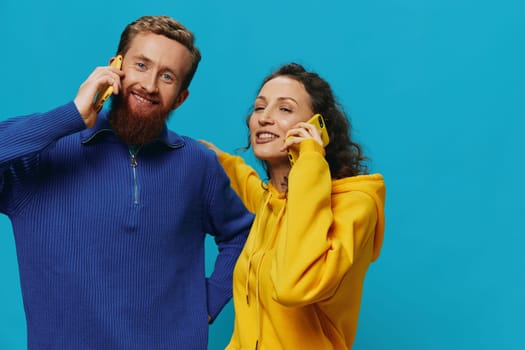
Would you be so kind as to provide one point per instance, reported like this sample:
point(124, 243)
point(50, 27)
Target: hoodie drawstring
point(269, 243)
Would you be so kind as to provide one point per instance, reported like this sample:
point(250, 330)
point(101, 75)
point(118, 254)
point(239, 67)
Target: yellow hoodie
point(299, 280)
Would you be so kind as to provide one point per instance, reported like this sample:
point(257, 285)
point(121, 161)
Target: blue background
point(436, 92)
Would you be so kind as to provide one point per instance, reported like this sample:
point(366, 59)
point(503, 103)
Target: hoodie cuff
point(310, 145)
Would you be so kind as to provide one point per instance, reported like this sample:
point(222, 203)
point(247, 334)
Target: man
point(110, 210)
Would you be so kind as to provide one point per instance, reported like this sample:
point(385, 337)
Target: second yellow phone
point(318, 121)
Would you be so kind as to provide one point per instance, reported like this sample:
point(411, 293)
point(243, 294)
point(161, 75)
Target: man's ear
point(181, 98)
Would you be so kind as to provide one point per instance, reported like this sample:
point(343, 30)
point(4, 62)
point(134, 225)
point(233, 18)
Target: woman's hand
point(211, 146)
point(300, 132)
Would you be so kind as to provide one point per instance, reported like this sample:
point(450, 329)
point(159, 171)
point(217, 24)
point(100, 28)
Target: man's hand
point(100, 79)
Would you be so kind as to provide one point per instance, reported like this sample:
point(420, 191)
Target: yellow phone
point(103, 95)
point(318, 121)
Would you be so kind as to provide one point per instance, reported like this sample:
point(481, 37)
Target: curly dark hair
point(344, 156)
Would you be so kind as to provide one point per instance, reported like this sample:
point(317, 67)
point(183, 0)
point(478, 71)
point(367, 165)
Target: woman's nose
point(265, 118)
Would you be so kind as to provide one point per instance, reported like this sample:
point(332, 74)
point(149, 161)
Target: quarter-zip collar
point(102, 127)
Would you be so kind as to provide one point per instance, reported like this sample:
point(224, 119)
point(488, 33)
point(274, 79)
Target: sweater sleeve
point(230, 224)
point(318, 246)
point(23, 138)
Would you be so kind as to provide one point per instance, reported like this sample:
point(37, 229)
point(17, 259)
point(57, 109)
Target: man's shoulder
point(186, 143)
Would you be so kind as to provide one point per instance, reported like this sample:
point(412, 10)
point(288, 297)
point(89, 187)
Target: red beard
point(136, 126)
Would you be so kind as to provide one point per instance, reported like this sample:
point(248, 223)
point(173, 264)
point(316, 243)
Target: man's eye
point(258, 108)
point(141, 65)
point(167, 77)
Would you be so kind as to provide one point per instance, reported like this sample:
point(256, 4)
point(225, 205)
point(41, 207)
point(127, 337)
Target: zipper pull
point(133, 151)
point(133, 160)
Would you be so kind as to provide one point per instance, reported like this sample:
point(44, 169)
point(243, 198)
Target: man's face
point(154, 68)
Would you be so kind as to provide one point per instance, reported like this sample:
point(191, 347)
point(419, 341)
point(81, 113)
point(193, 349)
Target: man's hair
point(170, 28)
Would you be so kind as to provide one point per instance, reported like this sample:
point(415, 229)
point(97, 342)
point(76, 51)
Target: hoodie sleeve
point(322, 239)
point(244, 180)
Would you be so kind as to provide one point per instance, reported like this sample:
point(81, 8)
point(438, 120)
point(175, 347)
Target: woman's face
point(281, 104)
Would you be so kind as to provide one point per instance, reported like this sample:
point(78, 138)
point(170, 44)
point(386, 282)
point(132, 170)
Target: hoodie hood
point(374, 186)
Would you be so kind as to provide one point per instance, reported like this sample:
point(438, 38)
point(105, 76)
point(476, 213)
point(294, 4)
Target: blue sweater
point(110, 244)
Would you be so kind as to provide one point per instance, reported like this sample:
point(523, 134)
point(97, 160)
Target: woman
point(318, 224)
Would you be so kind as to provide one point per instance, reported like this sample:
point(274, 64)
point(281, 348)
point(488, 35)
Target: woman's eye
point(258, 108)
point(287, 110)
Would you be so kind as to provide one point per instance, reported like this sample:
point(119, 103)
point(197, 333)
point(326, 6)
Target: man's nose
point(150, 84)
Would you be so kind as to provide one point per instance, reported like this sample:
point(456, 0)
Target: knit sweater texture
point(299, 280)
point(111, 241)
